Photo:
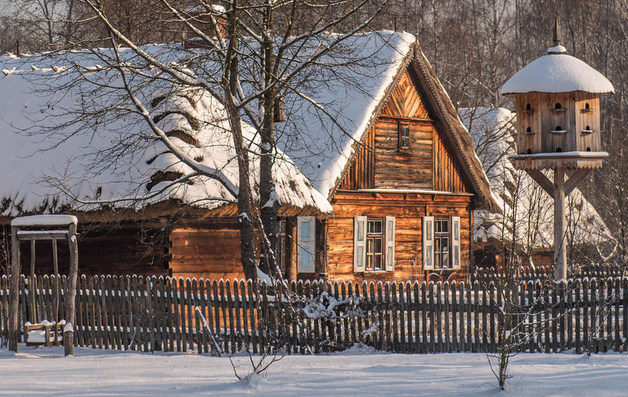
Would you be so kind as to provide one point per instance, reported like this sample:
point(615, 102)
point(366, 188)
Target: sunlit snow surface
point(358, 371)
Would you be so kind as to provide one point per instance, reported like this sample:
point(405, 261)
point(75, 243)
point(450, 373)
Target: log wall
point(206, 252)
point(408, 210)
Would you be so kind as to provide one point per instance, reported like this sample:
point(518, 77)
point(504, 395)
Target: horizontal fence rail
point(170, 314)
point(486, 275)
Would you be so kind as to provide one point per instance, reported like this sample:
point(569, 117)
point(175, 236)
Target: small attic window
point(404, 136)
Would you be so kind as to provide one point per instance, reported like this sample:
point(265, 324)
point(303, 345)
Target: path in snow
point(98, 372)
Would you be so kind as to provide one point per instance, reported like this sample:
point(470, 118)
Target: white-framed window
point(306, 244)
point(441, 243)
point(373, 243)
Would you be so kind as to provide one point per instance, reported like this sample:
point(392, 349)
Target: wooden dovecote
point(557, 100)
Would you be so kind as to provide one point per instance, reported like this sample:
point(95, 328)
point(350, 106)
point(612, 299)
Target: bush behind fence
point(162, 314)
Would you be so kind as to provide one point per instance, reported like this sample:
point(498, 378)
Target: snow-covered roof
point(36, 159)
point(533, 217)
point(557, 72)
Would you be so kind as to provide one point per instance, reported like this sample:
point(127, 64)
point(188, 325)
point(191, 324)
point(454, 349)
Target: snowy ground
point(354, 372)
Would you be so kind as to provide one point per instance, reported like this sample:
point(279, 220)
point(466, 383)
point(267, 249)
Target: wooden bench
point(45, 333)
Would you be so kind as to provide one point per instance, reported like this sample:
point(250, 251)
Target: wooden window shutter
point(455, 242)
point(428, 243)
point(390, 243)
point(359, 243)
point(306, 244)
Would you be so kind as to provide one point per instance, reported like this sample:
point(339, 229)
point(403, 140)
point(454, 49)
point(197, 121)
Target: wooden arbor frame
point(44, 227)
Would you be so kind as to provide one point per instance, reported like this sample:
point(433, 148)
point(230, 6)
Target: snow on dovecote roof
point(110, 157)
point(491, 130)
point(557, 72)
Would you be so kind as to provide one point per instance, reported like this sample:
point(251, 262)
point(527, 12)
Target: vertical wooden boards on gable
point(447, 176)
point(361, 173)
point(381, 162)
point(403, 168)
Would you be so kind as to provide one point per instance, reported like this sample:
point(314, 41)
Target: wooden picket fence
point(168, 314)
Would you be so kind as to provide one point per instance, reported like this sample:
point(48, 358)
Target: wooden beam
point(32, 286)
point(55, 264)
point(560, 246)
point(542, 180)
point(33, 257)
point(70, 313)
point(42, 235)
point(575, 179)
point(14, 290)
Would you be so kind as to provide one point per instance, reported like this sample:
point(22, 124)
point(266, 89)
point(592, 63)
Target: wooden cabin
point(389, 194)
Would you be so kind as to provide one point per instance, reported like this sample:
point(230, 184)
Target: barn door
point(306, 244)
point(428, 242)
point(359, 243)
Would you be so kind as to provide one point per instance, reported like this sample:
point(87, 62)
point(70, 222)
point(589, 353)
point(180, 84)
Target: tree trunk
point(245, 199)
point(268, 198)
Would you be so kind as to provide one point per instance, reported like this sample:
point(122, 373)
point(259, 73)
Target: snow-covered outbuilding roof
point(557, 72)
point(48, 144)
point(525, 205)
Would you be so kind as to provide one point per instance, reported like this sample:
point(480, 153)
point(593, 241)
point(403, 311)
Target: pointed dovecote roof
point(557, 72)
